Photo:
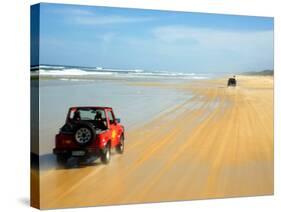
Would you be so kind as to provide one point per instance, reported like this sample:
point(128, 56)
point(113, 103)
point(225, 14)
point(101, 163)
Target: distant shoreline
point(259, 73)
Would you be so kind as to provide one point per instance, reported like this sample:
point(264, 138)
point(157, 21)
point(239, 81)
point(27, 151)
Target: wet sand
point(217, 144)
point(57, 95)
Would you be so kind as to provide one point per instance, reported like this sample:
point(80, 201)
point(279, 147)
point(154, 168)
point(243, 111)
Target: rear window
point(87, 114)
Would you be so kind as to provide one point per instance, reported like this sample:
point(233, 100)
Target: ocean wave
point(72, 72)
point(51, 67)
point(198, 77)
point(127, 73)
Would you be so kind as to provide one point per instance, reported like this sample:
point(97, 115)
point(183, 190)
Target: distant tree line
point(260, 73)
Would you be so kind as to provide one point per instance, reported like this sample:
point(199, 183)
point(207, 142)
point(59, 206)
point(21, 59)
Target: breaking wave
point(48, 70)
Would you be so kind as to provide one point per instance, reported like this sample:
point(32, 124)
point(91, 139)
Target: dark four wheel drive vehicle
point(232, 81)
point(89, 131)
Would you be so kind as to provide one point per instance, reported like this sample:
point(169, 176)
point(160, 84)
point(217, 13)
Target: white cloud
point(213, 37)
point(219, 48)
point(70, 11)
point(88, 17)
point(95, 19)
point(107, 37)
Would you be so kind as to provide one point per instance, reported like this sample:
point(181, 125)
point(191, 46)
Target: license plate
point(78, 153)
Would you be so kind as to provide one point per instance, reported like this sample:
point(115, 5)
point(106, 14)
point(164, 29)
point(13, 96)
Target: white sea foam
point(198, 77)
point(50, 67)
point(122, 73)
point(72, 72)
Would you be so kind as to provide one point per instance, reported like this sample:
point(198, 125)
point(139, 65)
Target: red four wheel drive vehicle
point(89, 131)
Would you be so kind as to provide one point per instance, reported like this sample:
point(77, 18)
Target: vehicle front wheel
point(120, 146)
point(106, 155)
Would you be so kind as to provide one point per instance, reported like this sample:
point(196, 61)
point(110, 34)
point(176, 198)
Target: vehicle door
point(113, 128)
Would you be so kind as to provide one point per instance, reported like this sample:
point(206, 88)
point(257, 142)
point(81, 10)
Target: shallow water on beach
point(133, 104)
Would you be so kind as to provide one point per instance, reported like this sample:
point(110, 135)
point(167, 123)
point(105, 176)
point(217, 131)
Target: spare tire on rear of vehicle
point(231, 82)
point(85, 133)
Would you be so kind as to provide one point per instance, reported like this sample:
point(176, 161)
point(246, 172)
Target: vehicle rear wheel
point(120, 146)
point(106, 155)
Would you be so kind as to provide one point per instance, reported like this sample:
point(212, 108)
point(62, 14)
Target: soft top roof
point(91, 107)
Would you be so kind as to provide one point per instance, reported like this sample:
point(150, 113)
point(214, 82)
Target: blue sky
point(154, 40)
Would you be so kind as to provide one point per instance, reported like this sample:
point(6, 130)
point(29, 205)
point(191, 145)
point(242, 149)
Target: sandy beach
point(217, 144)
